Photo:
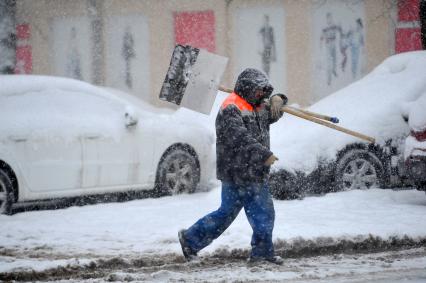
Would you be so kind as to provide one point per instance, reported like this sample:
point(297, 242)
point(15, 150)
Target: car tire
point(421, 186)
point(6, 193)
point(284, 186)
point(178, 172)
point(359, 169)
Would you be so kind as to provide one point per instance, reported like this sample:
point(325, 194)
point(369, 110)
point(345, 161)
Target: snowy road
point(344, 236)
point(390, 267)
point(407, 266)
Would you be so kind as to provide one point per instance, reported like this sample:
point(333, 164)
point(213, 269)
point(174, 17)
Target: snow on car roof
point(43, 106)
point(56, 108)
point(371, 106)
point(20, 84)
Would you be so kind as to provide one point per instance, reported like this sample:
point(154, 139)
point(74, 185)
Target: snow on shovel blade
point(177, 76)
point(193, 78)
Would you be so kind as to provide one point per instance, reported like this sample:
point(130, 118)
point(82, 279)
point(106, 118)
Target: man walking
point(243, 163)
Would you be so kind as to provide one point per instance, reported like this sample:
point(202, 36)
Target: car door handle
point(18, 138)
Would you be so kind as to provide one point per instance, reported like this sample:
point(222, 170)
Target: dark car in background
point(316, 159)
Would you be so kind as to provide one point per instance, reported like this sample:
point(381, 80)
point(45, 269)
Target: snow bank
point(371, 106)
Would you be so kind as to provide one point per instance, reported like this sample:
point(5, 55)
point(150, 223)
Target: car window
point(59, 112)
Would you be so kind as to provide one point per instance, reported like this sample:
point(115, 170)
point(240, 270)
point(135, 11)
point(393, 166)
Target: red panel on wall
point(24, 57)
point(23, 31)
point(408, 10)
point(196, 29)
point(407, 39)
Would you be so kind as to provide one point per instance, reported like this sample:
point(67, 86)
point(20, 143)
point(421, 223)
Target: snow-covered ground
point(148, 228)
point(387, 267)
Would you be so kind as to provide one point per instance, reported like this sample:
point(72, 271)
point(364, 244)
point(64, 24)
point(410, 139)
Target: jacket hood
point(251, 80)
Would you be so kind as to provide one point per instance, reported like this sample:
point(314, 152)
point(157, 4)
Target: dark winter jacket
point(242, 130)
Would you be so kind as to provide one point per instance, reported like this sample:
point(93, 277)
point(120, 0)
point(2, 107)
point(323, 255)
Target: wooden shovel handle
point(320, 116)
point(316, 115)
point(327, 124)
point(316, 118)
point(224, 89)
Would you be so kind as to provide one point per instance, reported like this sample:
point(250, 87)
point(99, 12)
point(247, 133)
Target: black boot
point(188, 253)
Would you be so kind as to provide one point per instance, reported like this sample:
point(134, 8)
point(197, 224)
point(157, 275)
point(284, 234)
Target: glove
point(277, 102)
point(271, 159)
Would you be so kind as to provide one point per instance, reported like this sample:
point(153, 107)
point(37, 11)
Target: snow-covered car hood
point(371, 106)
point(417, 114)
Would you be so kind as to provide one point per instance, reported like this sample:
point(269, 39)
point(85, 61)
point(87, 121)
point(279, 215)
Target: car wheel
point(284, 186)
point(359, 169)
point(6, 193)
point(421, 186)
point(178, 172)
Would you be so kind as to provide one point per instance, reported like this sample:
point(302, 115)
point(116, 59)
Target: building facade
point(308, 48)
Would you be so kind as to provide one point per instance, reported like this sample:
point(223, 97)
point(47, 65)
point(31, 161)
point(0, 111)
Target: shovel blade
point(179, 72)
point(193, 78)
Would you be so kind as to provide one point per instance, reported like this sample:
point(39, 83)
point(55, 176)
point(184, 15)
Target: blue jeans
point(259, 209)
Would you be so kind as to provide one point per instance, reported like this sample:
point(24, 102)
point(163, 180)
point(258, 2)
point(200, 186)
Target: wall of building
point(7, 37)
point(39, 17)
point(380, 36)
point(291, 40)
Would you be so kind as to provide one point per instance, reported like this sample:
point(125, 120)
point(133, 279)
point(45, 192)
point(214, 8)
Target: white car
point(63, 138)
point(313, 158)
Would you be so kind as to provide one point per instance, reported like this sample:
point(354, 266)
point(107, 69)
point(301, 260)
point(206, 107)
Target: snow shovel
point(193, 78)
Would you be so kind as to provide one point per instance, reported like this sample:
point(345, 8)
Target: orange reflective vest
point(238, 101)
